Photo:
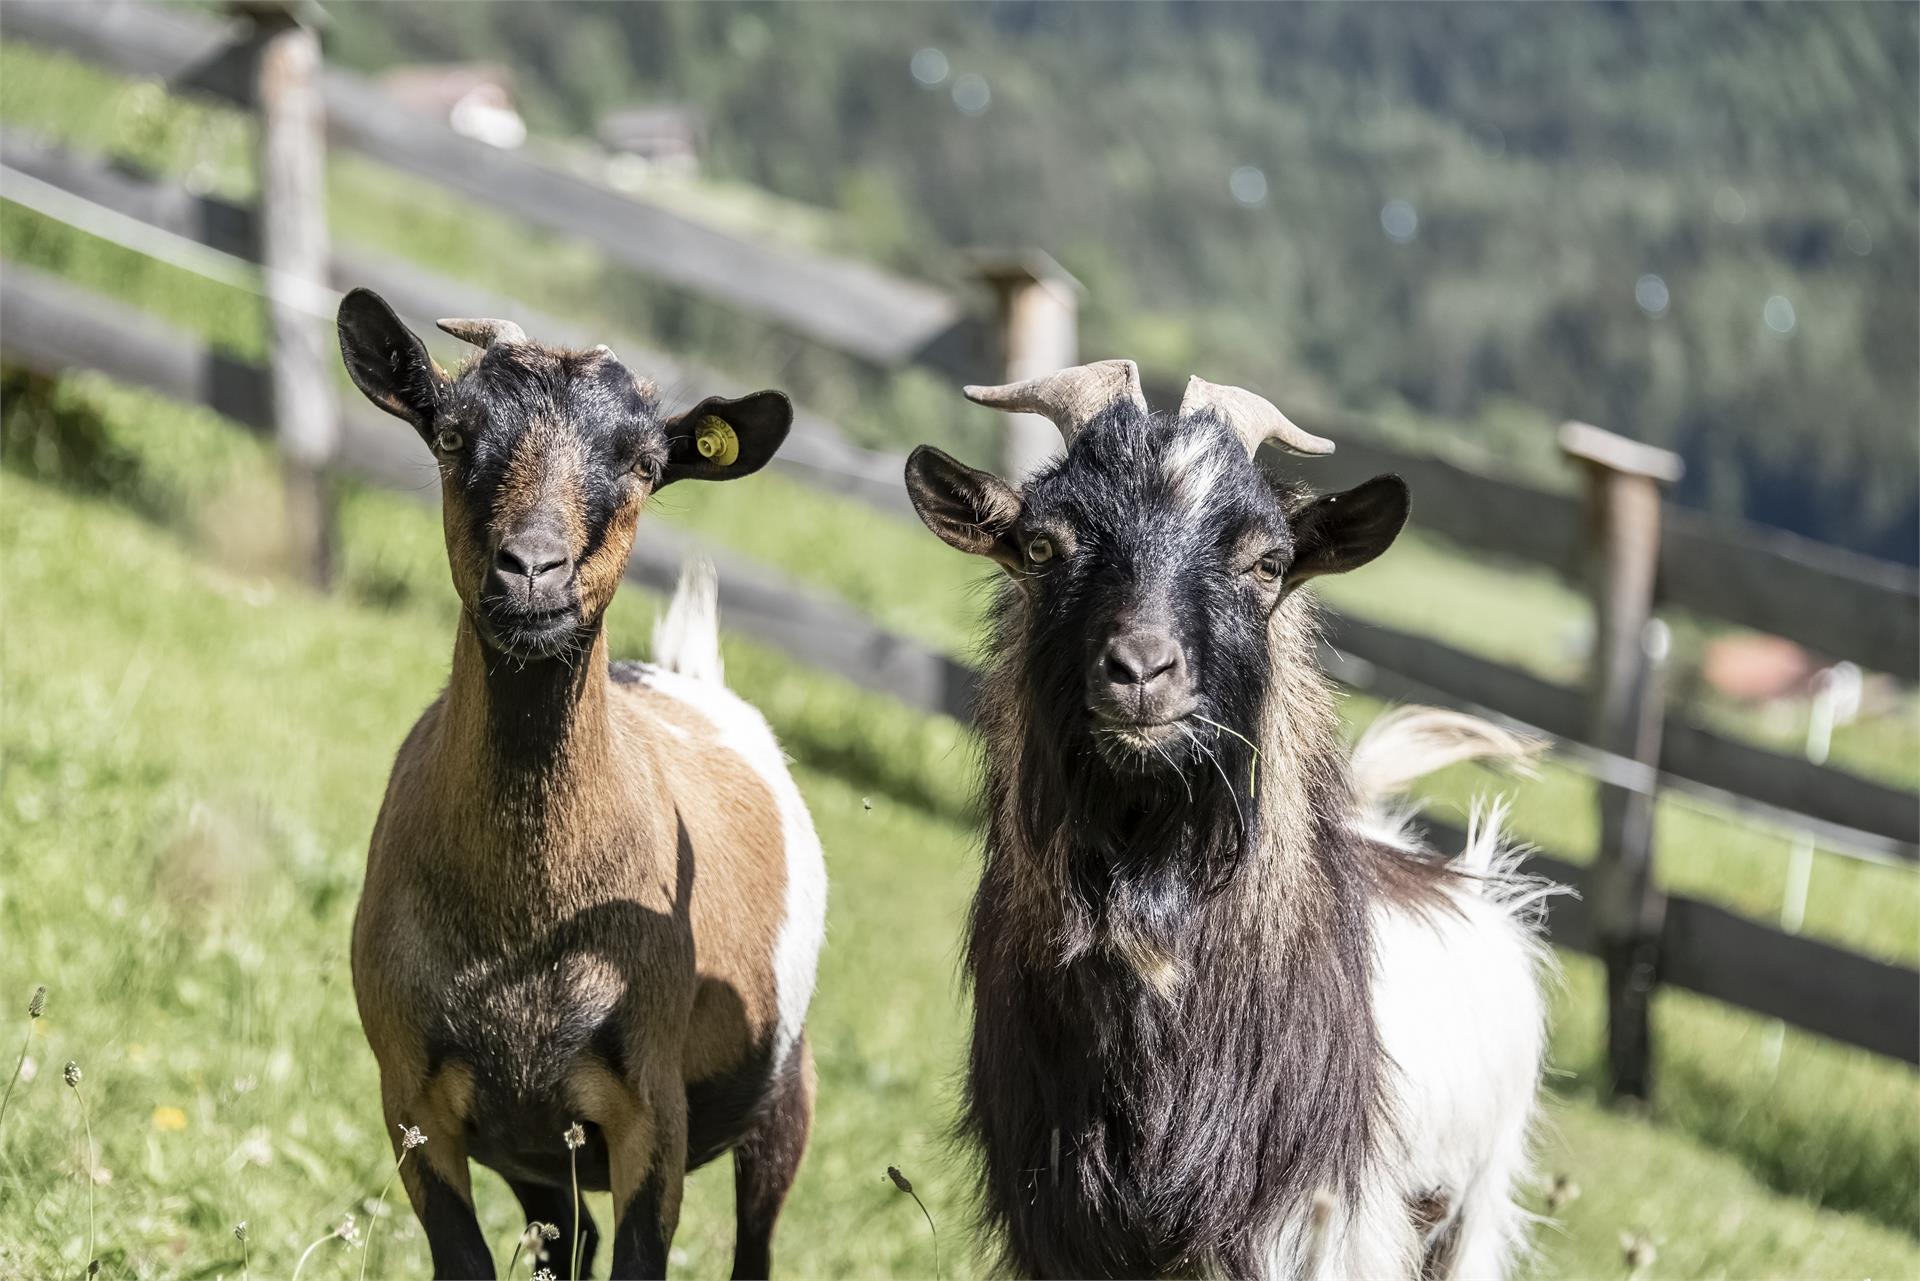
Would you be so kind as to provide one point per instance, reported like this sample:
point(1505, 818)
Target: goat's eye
point(448, 441)
point(1040, 550)
point(1269, 567)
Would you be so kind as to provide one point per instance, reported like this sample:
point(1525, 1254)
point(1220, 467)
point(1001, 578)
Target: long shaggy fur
point(1212, 1013)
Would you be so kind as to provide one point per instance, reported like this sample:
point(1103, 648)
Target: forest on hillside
point(1697, 224)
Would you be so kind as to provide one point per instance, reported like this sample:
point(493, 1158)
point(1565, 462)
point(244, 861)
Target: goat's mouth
point(528, 634)
point(1138, 743)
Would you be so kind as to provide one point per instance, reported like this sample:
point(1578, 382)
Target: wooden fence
point(1832, 601)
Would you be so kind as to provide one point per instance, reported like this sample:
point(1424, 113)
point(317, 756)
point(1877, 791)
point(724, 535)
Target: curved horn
point(1071, 398)
point(483, 333)
point(1253, 418)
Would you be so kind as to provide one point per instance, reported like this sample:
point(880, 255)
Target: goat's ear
point(387, 362)
point(721, 439)
point(1344, 531)
point(972, 510)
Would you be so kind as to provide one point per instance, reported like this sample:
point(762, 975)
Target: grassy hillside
point(193, 754)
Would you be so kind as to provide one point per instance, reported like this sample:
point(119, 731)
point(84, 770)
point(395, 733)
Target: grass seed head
point(544, 1274)
point(1637, 1250)
point(72, 1074)
point(348, 1230)
point(900, 1180)
point(411, 1138)
point(576, 1137)
point(240, 1231)
point(38, 1005)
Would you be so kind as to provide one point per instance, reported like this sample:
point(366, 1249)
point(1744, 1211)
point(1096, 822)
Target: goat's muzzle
point(1139, 689)
point(531, 603)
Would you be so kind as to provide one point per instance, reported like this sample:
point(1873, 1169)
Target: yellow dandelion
point(169, 1119)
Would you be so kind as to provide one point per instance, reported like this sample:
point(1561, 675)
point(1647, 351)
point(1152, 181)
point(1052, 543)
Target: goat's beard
point(1151, 751)
point(1183, 805)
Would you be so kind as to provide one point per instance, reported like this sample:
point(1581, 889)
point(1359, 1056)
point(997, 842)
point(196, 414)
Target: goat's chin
point(1144, 749)
point(527, 638)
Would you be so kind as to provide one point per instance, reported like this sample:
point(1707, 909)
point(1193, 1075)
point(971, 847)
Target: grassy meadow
point(192, 750)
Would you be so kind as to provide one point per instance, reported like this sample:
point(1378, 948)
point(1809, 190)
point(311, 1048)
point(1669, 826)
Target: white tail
point(1408, 743)
point(687, 637)
point(1411, 742)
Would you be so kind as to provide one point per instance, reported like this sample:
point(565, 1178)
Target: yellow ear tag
point(716, 441)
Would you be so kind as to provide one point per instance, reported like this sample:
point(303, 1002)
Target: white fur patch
point(1462, 1019)
point(1458, 1001)
point(1193, 465)
point(796, 949)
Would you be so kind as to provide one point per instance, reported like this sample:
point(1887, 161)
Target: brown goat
point(594, 897)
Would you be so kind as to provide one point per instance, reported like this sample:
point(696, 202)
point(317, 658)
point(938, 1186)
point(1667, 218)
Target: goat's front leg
point(439, 1183)
point(545, 1203)
point(647, 1156)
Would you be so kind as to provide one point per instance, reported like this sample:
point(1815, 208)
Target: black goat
point(1228, 1018)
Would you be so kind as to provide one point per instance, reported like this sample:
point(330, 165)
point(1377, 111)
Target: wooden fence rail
point(816, 453)
point(1852, 814)
point(50, 326)
point(1833, 601)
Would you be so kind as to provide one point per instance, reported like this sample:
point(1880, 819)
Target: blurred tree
point(1549, 157)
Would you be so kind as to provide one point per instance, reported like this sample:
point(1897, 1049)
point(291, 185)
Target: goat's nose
point(535, 555)
point(1145, 659)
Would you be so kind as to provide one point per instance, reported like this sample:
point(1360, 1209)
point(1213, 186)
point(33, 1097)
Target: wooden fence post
point(1037, 330)
point(293, 254)
point(1623, 484)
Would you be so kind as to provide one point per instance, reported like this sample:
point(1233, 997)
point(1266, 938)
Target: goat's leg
point(766, 1161)
point(546, 1203)
point(440, 1186)
point(1489, 1233)
point(647, 1152)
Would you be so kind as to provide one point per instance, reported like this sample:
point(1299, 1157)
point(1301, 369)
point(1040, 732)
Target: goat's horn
point(483, 333)
point(1253, 418)
point(1071, 398)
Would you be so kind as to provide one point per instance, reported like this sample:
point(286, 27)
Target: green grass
point(193, 751)
point(185, 893)
point(1819, 1133)
point(186, 806)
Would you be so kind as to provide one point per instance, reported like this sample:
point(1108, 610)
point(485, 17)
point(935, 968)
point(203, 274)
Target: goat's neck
point(530, 746)
point(547, 717)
